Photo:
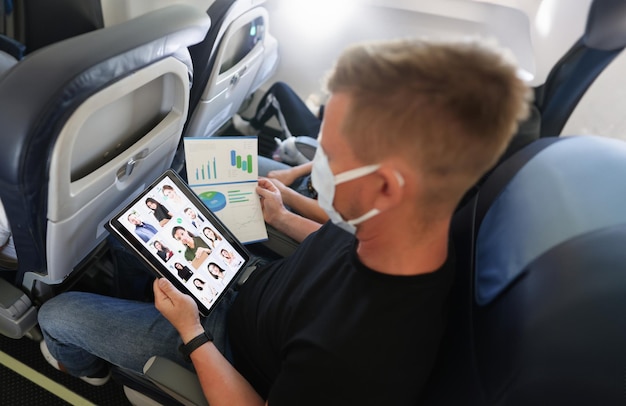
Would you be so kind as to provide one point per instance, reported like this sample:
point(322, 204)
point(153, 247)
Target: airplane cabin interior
point(96, 97)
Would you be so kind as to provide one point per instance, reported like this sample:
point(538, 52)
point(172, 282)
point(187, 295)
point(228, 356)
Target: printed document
point(223, 172)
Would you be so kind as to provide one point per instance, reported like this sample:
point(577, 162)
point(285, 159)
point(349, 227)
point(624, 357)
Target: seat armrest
point(17, 313)
point(175, 380)
point(279, 242)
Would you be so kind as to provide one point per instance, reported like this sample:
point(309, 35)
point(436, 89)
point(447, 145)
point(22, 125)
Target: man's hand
point(180, 309)
point(276, 214)
point(271, 201)
point(220, 381)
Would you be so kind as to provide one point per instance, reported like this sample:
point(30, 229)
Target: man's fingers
point(164, 288)
point(266, 184)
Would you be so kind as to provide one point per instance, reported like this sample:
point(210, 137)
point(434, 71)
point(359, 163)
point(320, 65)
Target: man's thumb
point(165, 285)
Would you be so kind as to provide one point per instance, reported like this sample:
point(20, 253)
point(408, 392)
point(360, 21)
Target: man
point(195, 219)
point(348, 319)
point(143, 230)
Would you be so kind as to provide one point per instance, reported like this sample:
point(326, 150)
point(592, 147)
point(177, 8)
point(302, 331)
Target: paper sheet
point(223, 172)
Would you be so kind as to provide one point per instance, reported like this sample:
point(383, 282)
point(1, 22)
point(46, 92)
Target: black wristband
point(191, 346)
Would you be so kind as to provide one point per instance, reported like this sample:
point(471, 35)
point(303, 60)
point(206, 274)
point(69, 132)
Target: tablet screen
point(182, 240)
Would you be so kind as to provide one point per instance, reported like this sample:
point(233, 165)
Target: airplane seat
point(238, 55)
point(164, 383)
point(603, 39)
point(87, 123)
point(537, 306)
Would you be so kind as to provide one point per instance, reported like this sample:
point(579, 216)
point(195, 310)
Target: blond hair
point(449, 107)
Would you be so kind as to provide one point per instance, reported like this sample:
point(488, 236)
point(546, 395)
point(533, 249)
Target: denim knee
point(56, 310)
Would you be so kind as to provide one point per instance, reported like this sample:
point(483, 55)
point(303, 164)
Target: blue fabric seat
point(554, 198)
point(537, 307)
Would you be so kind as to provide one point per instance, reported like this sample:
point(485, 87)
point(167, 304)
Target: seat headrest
point(572, 187)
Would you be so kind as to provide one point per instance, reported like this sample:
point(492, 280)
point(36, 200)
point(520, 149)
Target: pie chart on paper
point(215, 201)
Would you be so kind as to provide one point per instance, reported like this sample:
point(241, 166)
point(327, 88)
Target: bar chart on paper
point(207, 171)
point(223, 172)
point(221, 159)
point(240, 162)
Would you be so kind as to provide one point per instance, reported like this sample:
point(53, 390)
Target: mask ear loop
point(399, 177)
point(355, 173)
point(374, 212)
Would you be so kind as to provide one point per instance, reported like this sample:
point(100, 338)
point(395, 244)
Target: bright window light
point(545, 17)
point(326, 15)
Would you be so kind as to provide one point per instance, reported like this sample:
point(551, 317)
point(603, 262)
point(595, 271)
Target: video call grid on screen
point(162, 219)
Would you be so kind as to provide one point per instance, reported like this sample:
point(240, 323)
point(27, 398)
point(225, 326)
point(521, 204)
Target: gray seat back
point(87, 122)
point(235, 59)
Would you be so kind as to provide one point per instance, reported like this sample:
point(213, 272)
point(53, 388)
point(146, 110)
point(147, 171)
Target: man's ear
point(392, 188)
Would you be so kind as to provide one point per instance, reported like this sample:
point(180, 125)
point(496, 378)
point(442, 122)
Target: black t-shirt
point(161, 213)
point(185, 273)
point(320, 327)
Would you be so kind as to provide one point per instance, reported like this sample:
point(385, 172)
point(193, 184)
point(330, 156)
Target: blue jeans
point(282, 102)
point(85, 330)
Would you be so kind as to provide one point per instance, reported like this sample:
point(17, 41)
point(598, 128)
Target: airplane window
point(242, 42)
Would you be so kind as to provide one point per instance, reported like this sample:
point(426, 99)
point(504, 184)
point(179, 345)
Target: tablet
point(180, 239)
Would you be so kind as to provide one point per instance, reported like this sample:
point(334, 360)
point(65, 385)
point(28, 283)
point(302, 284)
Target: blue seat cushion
point(568, 189)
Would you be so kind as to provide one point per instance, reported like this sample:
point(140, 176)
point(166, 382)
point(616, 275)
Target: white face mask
point(324, 183)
